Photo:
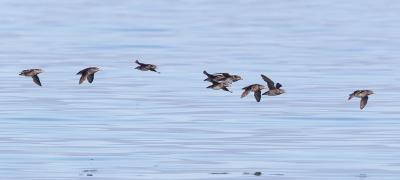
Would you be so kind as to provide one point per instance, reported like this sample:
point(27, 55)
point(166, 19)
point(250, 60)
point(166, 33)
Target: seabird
point(363, 94)
point(146, 67)
point(88, 73)
point(218, 86)
point(273, 90)
point(256, 88)
point(215, 77)
point(32, 73)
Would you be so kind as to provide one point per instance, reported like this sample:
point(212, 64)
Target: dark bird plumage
point(218, 86)
point(231, 79)
point(146, 67)
point(222, 77)
point(215, 77)
point(88, 73)
point(363, 94)
point(256, 88)
point(32, 73)
point(273, 90)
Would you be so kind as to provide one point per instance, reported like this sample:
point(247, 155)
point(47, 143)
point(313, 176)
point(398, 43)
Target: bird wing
point(278, 85)
point(214, 82)
point(137, 62)
point(36, 80)
point(83, 77)
point(246, 92)
point(257, 95)
point(154, 71)
point(226, 75)
point(226, 89)
point(363, 102)
point(81, 72)
point(270, 83)
point(90, 78)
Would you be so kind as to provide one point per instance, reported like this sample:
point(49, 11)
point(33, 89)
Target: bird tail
point(351, 96)
point(208, 79)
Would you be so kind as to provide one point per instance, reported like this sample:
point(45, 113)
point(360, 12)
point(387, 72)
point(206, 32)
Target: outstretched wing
point(90, 78)
point(154, 71)
point(257, 95)
point(36, 80)
point(226, 89)
point(83, 77)
point(363, 102)
point(270, 83)
point(246, 92)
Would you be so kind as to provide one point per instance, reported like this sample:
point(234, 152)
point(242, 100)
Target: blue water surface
point(130, 124)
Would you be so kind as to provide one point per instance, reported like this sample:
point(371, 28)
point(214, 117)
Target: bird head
point(370, 92)
point(40, 71)
point(154, 67)
point(237, 78)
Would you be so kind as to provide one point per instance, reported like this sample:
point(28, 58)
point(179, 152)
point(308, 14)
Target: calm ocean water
point(130, 124)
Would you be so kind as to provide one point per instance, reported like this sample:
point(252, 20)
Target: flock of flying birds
point(223, 80)
point(218, 80)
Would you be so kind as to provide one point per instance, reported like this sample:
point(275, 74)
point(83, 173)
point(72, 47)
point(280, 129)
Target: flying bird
point(363, 94)
point(218, 86)
point(273, 90)
point(146, 67)
point(32, 73)
point(215, 77)
point(256, 88)
point(88, 73)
